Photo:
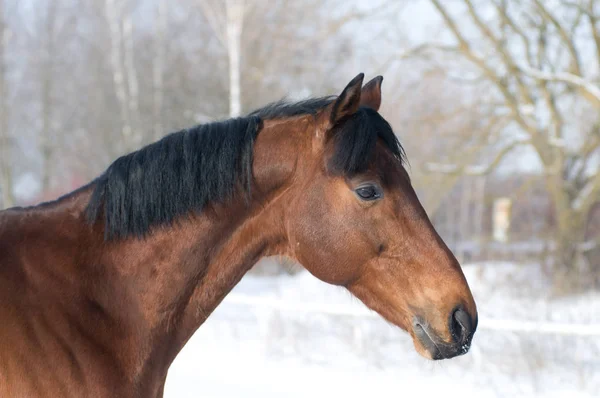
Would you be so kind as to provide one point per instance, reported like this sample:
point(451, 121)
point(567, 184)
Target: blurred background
point(495, 101)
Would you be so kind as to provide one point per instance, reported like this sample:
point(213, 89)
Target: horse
point(101, 288)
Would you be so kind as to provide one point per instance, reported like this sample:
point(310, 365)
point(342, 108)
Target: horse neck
point(176, 277)
point(277, 151)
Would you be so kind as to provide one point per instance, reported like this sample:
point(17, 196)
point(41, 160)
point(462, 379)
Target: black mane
point(185, 171)
point(181, 173)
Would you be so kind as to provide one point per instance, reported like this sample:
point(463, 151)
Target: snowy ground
point(247, 350)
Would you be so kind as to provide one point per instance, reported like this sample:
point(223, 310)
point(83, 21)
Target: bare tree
point(531, 53)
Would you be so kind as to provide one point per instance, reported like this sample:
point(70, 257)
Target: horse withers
point(100, 289)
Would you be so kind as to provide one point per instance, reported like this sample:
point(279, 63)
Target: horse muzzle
point(461, 327)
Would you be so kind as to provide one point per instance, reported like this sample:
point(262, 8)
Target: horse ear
point(371, 94)
point(349, 100)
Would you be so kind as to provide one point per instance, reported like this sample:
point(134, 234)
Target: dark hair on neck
point(186, 171)
point(178, 175)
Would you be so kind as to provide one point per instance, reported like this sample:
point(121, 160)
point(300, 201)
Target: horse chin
point(422, 351)
point(424, 345)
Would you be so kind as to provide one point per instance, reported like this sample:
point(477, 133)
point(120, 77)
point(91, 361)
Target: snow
point(250, 350)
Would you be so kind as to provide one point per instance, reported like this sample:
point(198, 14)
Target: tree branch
point(593, 20)
point(576, 64)
point(475, 170)
point(502, 11)
point(512, 102)
point(588, 89)
point(501, 50)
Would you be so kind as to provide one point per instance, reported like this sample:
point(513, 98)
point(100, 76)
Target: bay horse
point(100, 289)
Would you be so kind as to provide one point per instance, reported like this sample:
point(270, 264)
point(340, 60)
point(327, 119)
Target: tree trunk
point(235, 19)
point(114, 20)
point(569, 233)
point(132, 81)
point(158, 67)
point(47, 77)
point(6, 184)
point(567, 276)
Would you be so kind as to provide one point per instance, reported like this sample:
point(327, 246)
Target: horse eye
point(368, 192)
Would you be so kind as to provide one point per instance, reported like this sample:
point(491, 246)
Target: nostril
point(460, 325)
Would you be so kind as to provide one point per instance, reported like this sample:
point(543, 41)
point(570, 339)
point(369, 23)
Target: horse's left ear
point(371, 94)
point(349, 100)
point(343, 107)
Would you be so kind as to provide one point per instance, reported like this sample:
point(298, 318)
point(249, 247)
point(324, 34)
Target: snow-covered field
point(298, 337)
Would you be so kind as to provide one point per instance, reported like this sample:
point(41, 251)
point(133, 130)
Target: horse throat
point(250, 241)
